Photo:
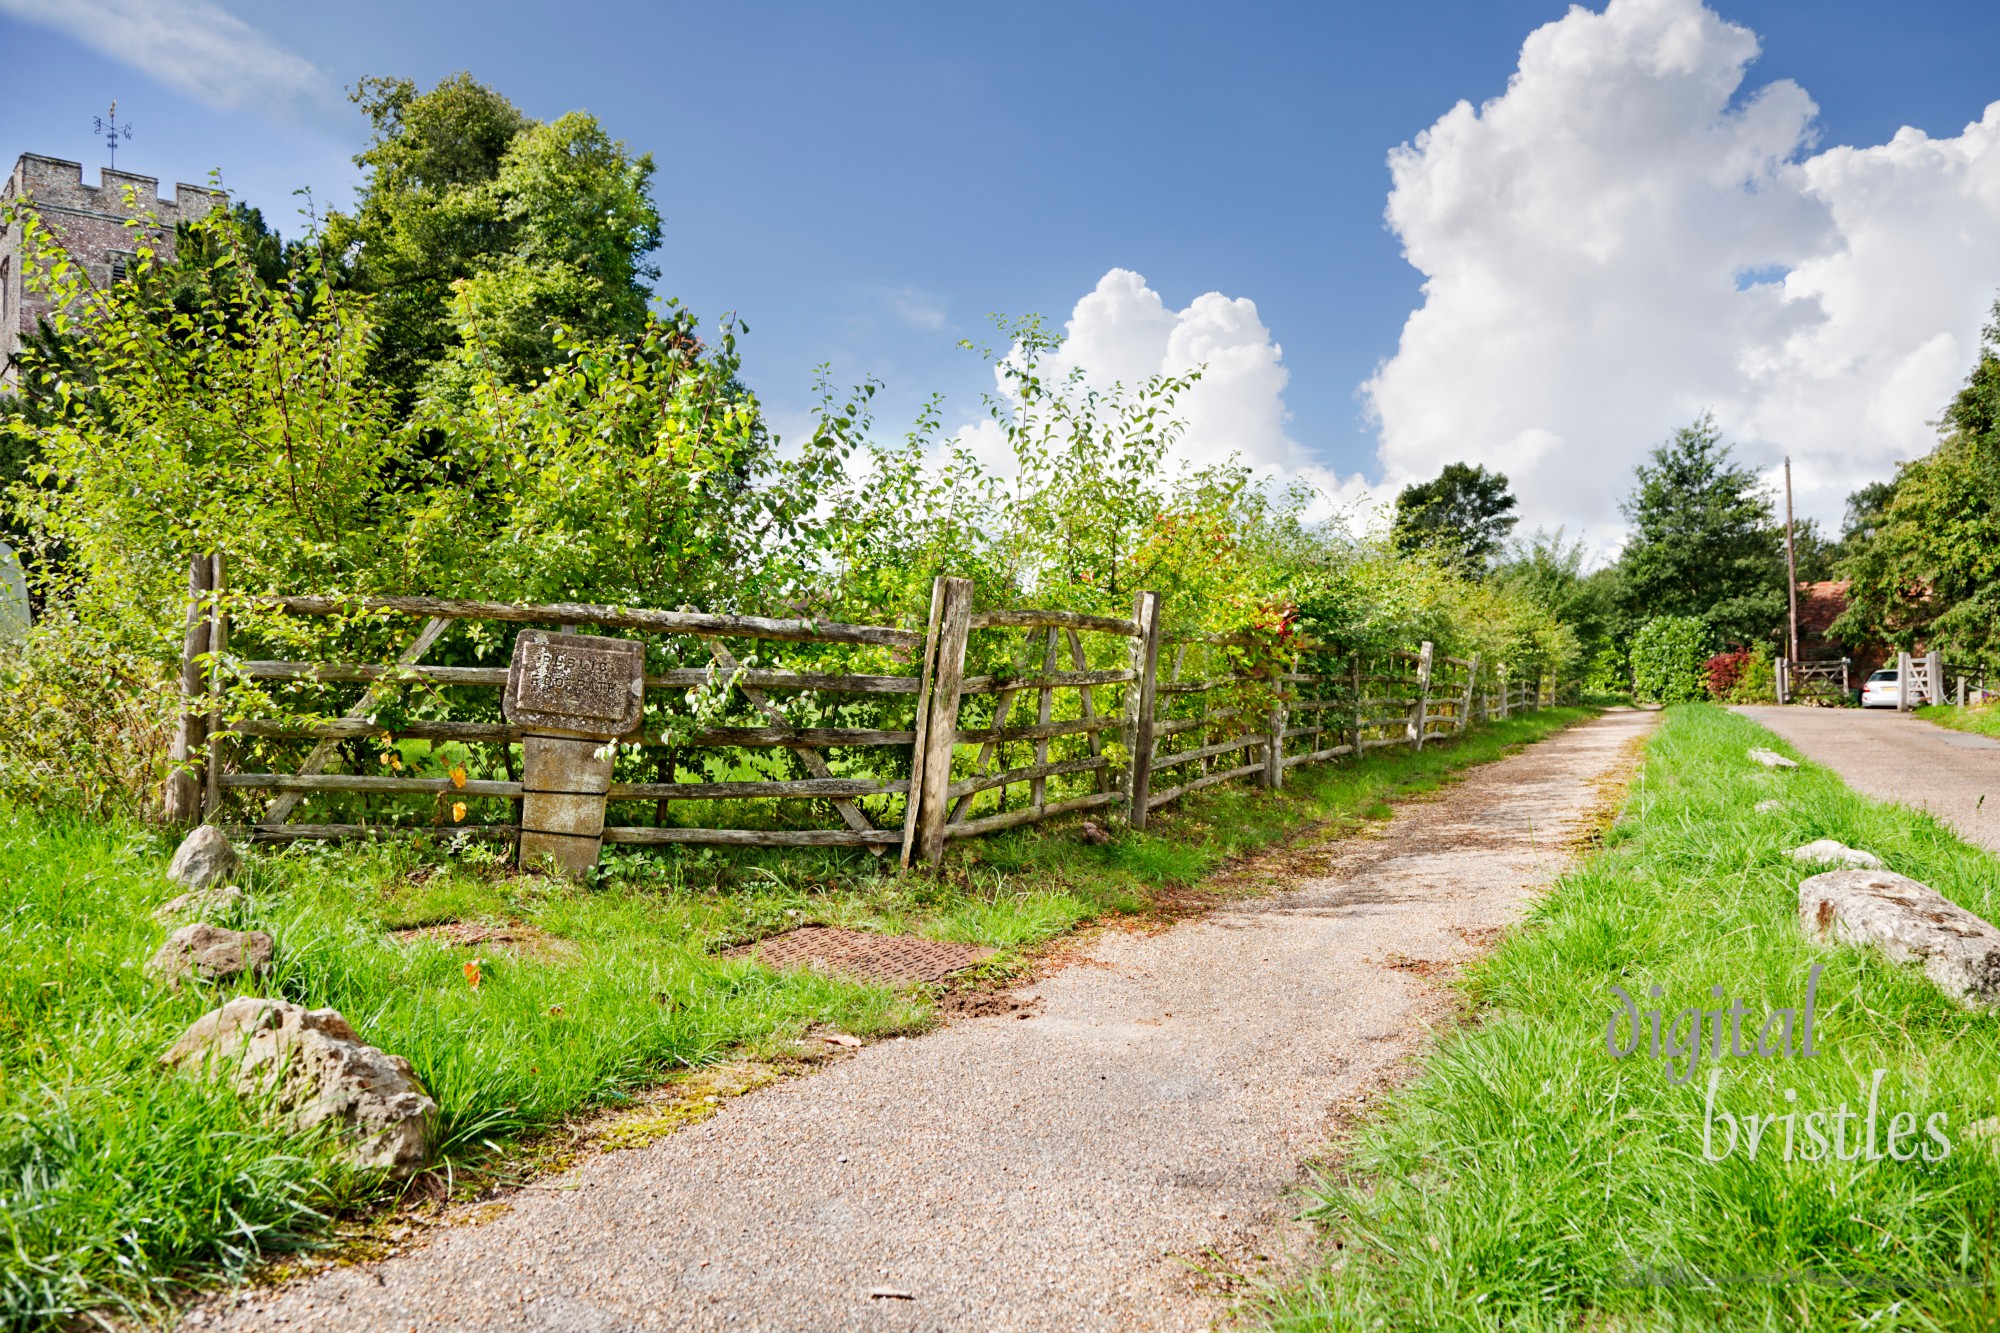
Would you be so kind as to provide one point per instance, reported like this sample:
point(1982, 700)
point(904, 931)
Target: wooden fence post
point(954, 623)
point(218, 640)
point(1139, 699)
point(926, 670)
point(1504, 701)
point(1355, 671)
point(1784, 681)
point(1038, 790)
point(1902, 682)
point(1934, 677)
point(185, 782)
point(1423, 691)
point(1274, 749)
point(1471, 682)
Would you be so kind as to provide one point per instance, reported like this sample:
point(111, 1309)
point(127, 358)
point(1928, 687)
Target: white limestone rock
point(1910, 922)
point(205, 857)
point(205, 952)
point(312, 1068)
point(1825, 851)
point(216, 899)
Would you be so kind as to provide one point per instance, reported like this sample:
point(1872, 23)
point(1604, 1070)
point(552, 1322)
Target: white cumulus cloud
point(195, 46)
point(1628, 236)
point(1122, 331)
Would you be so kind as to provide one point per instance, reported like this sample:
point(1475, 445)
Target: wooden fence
point(875, 736)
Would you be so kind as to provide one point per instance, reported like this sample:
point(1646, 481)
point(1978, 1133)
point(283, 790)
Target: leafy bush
point(85, 722)
point(1724, 670)
point(1608, 672)
point(1757, 683)
point(1743, 676)
point(1669, 659)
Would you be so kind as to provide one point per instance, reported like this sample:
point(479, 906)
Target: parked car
point(1882, 690)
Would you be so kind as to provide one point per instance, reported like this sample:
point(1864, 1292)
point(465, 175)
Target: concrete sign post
point(571, 694)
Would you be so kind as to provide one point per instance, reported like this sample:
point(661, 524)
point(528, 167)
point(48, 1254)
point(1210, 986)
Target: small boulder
point(199, 902)
point(1825, 851)
point(205, 857)
point(209, 953)
point(1766, 807)
point(1093, 833)
point(1910, 922)
point(1772, 759)
point(314, 1070)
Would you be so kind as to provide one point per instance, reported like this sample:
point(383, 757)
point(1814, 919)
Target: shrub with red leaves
point(1724, 670)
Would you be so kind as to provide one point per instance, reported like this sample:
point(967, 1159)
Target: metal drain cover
point(860, 954)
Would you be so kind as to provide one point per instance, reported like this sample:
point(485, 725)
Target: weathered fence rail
point(877, 729)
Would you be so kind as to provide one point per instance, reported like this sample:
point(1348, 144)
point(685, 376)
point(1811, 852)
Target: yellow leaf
point(457, 776)
point(457, 811)
point(472, 973)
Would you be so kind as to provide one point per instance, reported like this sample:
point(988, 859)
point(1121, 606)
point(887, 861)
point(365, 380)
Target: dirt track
point(1066, 1171)
point(1896, 757)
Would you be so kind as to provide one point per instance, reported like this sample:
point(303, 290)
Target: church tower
point(89, 222)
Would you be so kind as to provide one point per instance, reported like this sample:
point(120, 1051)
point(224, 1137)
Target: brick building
point(1820, 604)
point(90, 223)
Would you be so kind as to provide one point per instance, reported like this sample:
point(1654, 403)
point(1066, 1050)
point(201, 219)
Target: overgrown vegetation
point(121, 1185)
point(1528, 1179)
point(636, 470)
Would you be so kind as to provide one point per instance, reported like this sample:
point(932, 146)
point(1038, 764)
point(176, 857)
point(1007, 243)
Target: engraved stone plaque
point(583, 684)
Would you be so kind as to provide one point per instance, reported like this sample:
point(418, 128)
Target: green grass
point(1529, 1180)
point(121, 1185)
point(1984, 720)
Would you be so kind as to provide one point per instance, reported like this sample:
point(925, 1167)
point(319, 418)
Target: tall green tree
point(1928, 572)
point(1866, 509)
point(479, 231)
point(1704, 539)
point(1464, 513)
point(1548, 570)
point(1817, 555)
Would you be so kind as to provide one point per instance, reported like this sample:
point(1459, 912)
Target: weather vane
point(112, 131)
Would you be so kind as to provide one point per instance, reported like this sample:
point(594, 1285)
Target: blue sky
point(863, 182)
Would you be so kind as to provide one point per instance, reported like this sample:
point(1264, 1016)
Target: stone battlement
point(94, 224)
point(55, 183)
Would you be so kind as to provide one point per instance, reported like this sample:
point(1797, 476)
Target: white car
point(1882, 690)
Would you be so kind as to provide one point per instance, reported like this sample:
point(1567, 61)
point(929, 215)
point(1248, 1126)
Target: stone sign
point(582, 684)
point(570, 694)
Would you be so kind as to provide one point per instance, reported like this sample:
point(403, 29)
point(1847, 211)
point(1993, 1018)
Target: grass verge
point(121, 1186)
point(1528, 1179)
point(1983, 720)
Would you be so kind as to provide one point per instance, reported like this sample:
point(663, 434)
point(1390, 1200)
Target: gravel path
point(1067, 1171)
point(1896, 757)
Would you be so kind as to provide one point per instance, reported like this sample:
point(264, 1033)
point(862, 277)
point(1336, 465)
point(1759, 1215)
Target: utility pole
point(1791, 564)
